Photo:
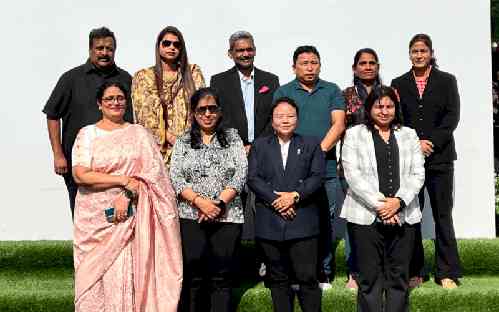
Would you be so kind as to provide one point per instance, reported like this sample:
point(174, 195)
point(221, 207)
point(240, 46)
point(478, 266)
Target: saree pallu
point(135, 265)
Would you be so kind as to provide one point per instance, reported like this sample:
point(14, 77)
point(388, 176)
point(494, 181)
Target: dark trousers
point(72, 188)
point(296, 259)
point(383, 255)
point(439, 184)
point(208, 251)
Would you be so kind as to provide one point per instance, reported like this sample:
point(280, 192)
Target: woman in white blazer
point(384, 169)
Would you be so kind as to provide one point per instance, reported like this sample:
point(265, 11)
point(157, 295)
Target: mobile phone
point(109, 213)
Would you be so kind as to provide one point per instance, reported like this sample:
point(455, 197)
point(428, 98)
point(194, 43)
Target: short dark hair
point(305, 49)
point(195, 133)
point(99, 33)
point(107, 84)
point(287, 100)
point(424, 38)
point(377, 94)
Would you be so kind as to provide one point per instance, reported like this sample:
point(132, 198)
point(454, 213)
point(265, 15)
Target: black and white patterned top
point(208, 171)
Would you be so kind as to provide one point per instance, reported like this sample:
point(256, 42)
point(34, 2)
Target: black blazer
point(305, 172)
point(228, 86)
point(434, 116)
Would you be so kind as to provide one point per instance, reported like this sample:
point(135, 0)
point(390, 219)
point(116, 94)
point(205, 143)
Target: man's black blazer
point(304, 173)
point(228, 86)
point(434, 116)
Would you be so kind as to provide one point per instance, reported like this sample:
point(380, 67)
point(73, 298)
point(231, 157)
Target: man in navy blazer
point(286, 172)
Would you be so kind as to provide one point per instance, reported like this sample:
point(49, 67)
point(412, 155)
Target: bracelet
point(192, 201)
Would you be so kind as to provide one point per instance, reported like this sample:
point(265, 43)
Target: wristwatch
point(128, 194)
point(296, 196)
point(402, 203)
point(222, 205)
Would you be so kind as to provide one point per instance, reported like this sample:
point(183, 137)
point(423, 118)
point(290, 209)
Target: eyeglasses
point(167, 43)
point(111, 99)
point(280, 117)
point(212, 109)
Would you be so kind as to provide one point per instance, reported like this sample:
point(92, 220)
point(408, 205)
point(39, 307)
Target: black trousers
point(72, 188)
point(294, 259)
point(208, 251)
point(439, 184)
point(383, 254)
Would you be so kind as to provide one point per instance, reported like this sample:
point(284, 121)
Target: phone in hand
point(109, 213)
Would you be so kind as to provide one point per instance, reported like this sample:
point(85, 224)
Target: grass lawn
point(38, 276)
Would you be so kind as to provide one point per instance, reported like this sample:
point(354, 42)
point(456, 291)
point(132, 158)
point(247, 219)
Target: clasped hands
point(285, 205)
point(387, 210)
point(208, 209)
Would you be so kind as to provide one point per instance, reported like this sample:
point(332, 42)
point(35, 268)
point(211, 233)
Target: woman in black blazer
point(430, 104)
point(286, 172)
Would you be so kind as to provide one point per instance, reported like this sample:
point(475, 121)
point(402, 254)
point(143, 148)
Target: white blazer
point(361, 173)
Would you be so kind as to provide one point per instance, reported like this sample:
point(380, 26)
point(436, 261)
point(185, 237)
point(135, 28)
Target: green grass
point(38, 276)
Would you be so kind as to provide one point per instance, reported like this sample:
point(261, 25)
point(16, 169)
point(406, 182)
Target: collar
point(274, 139)
point(244, 78)
point(89, 67)
point(318, 85)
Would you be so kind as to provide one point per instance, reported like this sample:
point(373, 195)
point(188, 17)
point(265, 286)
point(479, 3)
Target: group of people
point(165, 176)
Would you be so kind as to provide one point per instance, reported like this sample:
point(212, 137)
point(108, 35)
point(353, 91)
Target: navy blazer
point(304, 173)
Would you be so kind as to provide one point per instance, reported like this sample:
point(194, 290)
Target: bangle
point(192, 201)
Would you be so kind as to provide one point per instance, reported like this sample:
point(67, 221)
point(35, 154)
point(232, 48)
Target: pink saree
point(135, 265)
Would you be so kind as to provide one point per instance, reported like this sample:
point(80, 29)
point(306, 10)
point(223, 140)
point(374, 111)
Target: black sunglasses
point(212, 109)
point(167, 43)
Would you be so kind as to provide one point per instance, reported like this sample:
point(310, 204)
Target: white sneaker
point(325, 286)
point(262, 270)
point(295, 287)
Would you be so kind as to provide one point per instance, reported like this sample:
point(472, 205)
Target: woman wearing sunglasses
point(208, 171)
point(161, 93)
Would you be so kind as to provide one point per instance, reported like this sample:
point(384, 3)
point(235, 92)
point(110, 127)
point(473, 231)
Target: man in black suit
point(286, 171)
point(245, 94)
point(245, 91)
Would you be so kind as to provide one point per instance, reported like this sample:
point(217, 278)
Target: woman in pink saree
point(133, 262)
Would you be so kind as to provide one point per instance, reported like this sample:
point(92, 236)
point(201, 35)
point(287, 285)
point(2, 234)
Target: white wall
point(42, 39)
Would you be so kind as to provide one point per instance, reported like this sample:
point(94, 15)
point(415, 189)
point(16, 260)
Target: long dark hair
point(220, 131)
point(424, 38)
point(356, 59)
point(187, 82)
point(377, 94)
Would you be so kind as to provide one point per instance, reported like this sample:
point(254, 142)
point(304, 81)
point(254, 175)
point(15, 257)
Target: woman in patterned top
point(208, 171)
point(161, 93)
point(365, 78)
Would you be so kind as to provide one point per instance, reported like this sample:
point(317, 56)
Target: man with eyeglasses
point(322, 115)
point(73, 101)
